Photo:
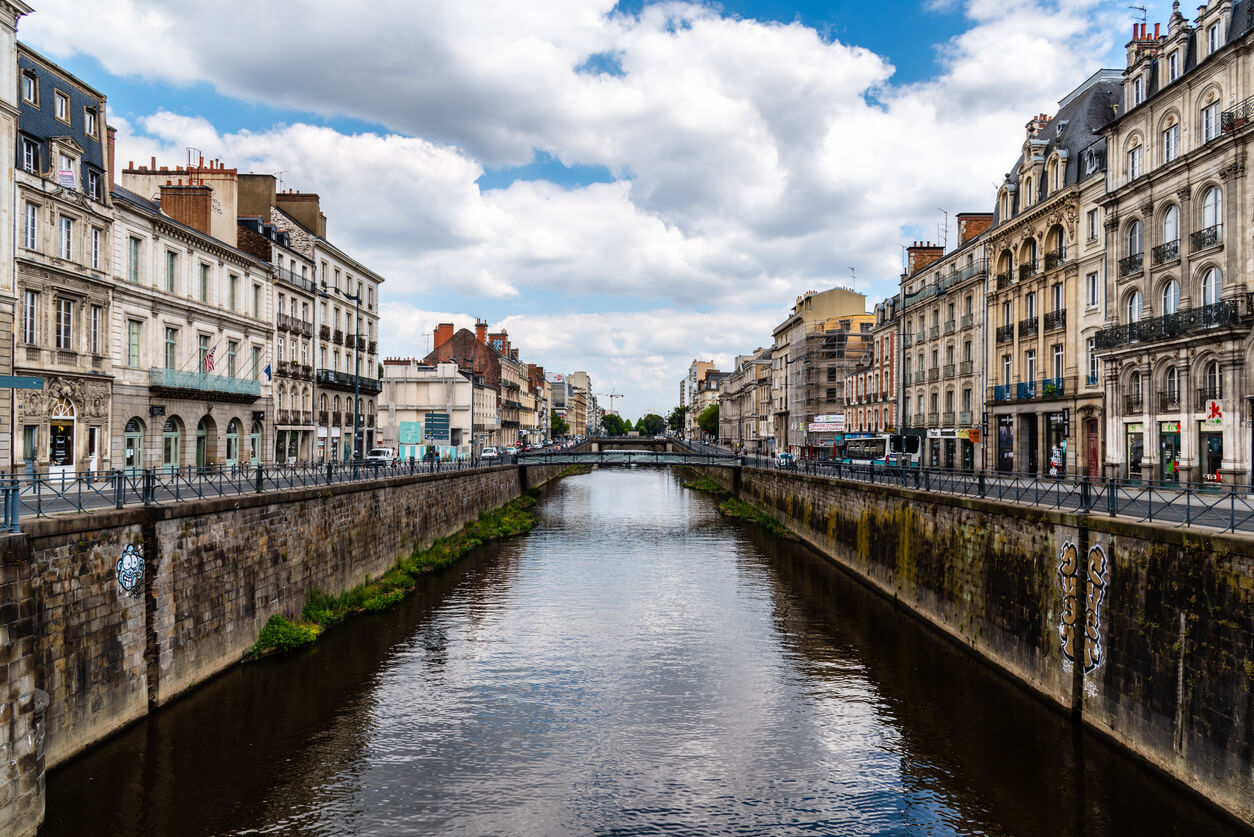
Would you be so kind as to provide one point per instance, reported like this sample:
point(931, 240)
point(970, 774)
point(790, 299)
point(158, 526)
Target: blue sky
point(619, 220)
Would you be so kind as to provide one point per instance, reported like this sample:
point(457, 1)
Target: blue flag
point(267, 371)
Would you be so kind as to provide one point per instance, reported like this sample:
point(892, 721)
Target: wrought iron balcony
point(324, 331)
point(1025, 390)
point(1006, 333)
point(933, 374)
point(976, 268)
point(1027, 271)
point(968, 320)
point(933, 332)
point(1090, 380)
point(1053, 387)
point(1166, 253)
point(1129, 265)
point(1027, 327)
point(338, 337)
point(324, 417)
point(372, 347)
point(1209, 237)
point(1055, 257)
point(1003, 392)
point(1189, 321)
point(951, 326)
point(296, 280)
point(369, 421)
point(965, 418)
point(1209, 394)
point(1055, 320)
point(948, 370)
point(933, 420)
point(347, 381)
point(204, 386)
point(337, 418)
point(920, 376)
point(966, 367)
point(1169, 402)
point(1004, 280)
point(920, 337)
point(947, 419)
point(285, 323)
point(907, 340)
point(1133, 404)
point(1237, 117)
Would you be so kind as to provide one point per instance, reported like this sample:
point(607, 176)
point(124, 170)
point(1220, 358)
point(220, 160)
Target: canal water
point(636, 665)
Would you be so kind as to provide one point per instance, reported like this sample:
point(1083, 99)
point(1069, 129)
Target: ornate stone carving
point(90, 398)
point(1147, 208)
point(1234, 169)
point(1184, 194)
point(1112, 223)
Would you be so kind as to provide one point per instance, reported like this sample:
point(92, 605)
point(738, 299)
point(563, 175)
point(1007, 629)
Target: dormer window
point(90, 122)
point(1138, 90)
point(30, 155)
point(1090, 162)
point(62, 106)
point(65, 171)
point(1173, 66)
point(30, 88)
point(1212, 39)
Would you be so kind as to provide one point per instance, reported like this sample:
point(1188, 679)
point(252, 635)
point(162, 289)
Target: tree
point(627, 428)
point(651, 424)
point(613, 424)
point(557, 425)
point(676, 419)
point(708, 421)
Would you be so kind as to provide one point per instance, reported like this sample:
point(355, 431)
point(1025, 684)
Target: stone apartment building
point(63, 265)
point(744, 403)
point(1040, 400)
point(492, 360)
point(943, 345)
point(688, 388)
point(873, 382)
point(1176, 343)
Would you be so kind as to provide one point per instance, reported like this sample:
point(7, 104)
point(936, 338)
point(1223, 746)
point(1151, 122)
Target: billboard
point(410, 433)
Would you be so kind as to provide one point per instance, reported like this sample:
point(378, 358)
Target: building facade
point(426, 410)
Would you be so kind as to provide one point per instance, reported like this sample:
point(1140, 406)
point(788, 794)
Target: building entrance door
point(1028, 443)
point(1169, 451)
point(1093, 448)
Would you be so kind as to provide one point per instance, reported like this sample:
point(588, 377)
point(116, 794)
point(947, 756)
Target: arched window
point(1212, 286)
point(1214, 380)
point(232, 442)
point(171, 442)
point(1171, 225)
point(134, 445)
point(322, 402)
point(1171, 383)
point(1171, 297)
point(1134, 307)
point(1133, 239)
point(1212, 208)
point(1134, 385)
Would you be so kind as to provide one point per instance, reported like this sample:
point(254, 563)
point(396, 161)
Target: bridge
point(620, 456)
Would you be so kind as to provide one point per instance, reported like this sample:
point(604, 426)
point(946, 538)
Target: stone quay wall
point(105, 616)
point(1143, 632)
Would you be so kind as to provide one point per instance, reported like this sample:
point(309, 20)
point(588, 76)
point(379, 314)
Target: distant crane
point(611, 396)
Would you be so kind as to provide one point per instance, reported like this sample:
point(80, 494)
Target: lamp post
point(356, 300)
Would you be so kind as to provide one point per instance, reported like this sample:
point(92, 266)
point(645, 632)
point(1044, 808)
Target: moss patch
point(707, 485)
point(322, 610)
point(738, 509)
point(575, 470)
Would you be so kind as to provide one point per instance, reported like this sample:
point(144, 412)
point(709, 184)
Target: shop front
point(1056, 439)
point(1210, 442)
point(1169, 451)
point(1005, 443)
point(942, 445)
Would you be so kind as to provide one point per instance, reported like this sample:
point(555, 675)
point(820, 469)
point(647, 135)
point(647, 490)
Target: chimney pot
point(154, 163)
point(1156, 31)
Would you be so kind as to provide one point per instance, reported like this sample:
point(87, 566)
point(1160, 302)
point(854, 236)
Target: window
point(1005, 369)
point(1007, 313)
point(1134, 384)
point(202, 347)
point(95, 248)
point(1212, 208)
point(1138, 90)
point(65, 324)
point(1172, 382)
point(1134, 307)
point(1090, 292)
point(322, 316)
point(93, 330)
point(31, 227)
point(1212, 38)
point(90, 121)
point(1058, 360)
point(171, 271)
point(1030, 303)
point(1134, 163)
point(370, 299)
point(256, 363)
point(30, 155)
point(1092, 224)
point(30, 88)
point(1210, 122)
point(1171, 297)
point(1173, 66)
point(1092, 361)
point(1214, 380)
point(1059, 303)
point(1029, 365)
point(1133, 239)
point(93, 185)
point(30, 306)
point(1171, 143)
point(67, 238)
point(966, 351)
point(132, 259)
point(62, 106)
point(171, 348)
point(1171, 225)
point(257, 301)
point(204, 283)
point(132, 343)
point(232, 286)
point(1212, 286)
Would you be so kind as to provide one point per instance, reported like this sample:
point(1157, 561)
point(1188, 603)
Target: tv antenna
point(280, 178)
point(853, 276)
point(942, 229)
point(1140, 9)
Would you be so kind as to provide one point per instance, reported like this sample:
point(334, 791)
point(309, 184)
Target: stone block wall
point(1144, 632)
point(21, 703)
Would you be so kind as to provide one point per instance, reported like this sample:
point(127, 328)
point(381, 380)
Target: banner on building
point(826, 427)
point(410, 433)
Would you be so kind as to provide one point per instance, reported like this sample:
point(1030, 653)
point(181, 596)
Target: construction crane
point(611, 396)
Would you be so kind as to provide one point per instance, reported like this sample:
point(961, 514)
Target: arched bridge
point(609, 454)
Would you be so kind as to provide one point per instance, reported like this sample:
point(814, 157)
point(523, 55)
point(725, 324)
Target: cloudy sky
point(625, 186)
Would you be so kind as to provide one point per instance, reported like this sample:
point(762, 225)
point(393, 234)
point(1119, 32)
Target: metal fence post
point(261, 480)
point(1111, 505)
point(983, 490)
point(149, 486)
point(15, 508)
point(119, 488)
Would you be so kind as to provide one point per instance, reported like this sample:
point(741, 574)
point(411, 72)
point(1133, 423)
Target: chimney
point(481, 331)
point(190, 205)
point(443, 334)
point(971, 224)
point(921, 254)
point(303, 207)
point(111, 150)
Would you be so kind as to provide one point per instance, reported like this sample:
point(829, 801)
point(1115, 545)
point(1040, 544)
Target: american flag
point(209, 359)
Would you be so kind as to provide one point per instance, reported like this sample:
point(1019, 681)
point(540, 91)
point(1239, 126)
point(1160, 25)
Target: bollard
point(981, 484)
point(260, 480)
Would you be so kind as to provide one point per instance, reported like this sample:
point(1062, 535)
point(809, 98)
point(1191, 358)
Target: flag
point(267, 371)
point(209, 359)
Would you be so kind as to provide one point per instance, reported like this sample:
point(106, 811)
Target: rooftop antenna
point(194, 156)
point(427, 335)
point(942, 229)
point(853, 277)
point(1140, 9)
point(280, 176)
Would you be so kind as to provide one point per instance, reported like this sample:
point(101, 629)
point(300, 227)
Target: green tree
point(613, 424)
point(676, 418)
point(708, 421)
point(558, 425)
point(651, 424)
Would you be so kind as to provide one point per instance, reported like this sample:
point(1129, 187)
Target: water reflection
point(636, 665)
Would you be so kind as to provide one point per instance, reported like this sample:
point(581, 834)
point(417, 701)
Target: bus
point(867, 449)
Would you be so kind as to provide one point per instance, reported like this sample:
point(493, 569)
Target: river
point(635, 665)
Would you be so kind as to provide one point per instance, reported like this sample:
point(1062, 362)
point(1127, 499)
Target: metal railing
point(1133, 404)
point(951, 326)
point(203, 382)
point(1006, 333)
point(907, 340)
point(1169, 402)
point(1027, 270)
point(1209, 237)
point(1003, 392)
point(1090, 380)
point(947, 371)
point(966, 367)
point(1053, 387)
point(1188, 321)
point(1055, 257)
point(1209, 394)
point(1055, 320)
point(1004, 280)
point(1166, 253)
point(329, 377)
point(1025, 390)
point(933, 374)
point(965, 418)
point(968, 320)
point(1129, 265)
point(1027, 327)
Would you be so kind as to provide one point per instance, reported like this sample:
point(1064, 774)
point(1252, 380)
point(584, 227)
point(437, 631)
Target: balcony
point(296, 280)
point(933, 420)
point(933, 374)
point(361, 344)
point(1130, 265)
point(1003, 392)
point(204, 386)
point(976, 268)
point(1056, 320)
point(1189, 321)
point(372, 347)
point(1027, 271)
point(933, 332)
point(968, 320)
point(947, 419)
point(920, 376)
point(1132, 404)
point(1005, 334)
point(509, 422)
point(510, 405)
point(1025, 390)
point(337, 418)
point(283, 322)
point(338, 337)
point(324, 416)
point(1055, 258)
point(370, 421)
point(1209, 394)
point(1238, 117)
point(966, 367)
point(951, 326)
point(920, 337)
point(324, 331)
point(347, 381)
point(1004, 280)
point(1166, 253)
point(1169, 402)
point(1209, 237)
point(907, 340)
point(1053, 387)
point(965, 418)
point(1028, 327)
point(948, 370)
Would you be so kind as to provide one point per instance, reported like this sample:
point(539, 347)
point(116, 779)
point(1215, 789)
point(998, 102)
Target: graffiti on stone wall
point(131, 569)
point(1069, 570)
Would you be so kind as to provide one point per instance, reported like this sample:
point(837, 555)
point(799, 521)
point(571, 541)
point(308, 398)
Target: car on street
point(383, 456)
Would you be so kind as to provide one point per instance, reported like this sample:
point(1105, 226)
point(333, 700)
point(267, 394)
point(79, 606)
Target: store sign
point(1169, 427)
point(1214, 414)
point(1136, 427)
point(942, 433)
point(825, 427)
point(836, 418)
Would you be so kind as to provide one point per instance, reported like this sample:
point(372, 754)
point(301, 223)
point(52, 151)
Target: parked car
point(490, 453)
point(511, 451)
point(385, 456)
point(785, 460)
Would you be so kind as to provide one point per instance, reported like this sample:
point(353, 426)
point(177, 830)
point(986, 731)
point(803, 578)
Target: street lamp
point(356, 300)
